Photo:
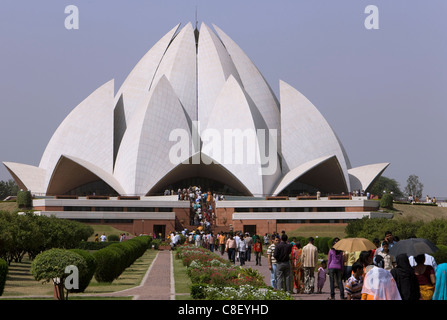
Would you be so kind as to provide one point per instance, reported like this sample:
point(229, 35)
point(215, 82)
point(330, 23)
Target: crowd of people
point(378, 275)
point(362, 275)
point(203, 205)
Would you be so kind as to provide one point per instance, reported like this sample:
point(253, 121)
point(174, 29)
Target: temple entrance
point(160, 231)
point(250, 228)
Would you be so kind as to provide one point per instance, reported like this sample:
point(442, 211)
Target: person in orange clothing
point(222, 241)
point(259, 250)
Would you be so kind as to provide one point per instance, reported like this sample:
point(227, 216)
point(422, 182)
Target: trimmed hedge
point(115, 258)
point(84, 278)
point(3, 274)
point(93, 246)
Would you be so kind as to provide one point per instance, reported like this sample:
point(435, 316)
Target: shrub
point(386, 201)
point(3, 274)
point(114, 237)
point(84, 278)
point(440, 255)
point(198, 290)
point(92, 246)
point(24, 199)
point(51, 264)
point(108, 264)
point(115, 258)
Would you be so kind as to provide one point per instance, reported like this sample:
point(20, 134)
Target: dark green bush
point(198, 290)
point(92, 246)
point(115, 258)
point(441, 255)
point(113, 237)
point(85, 278)
point(24, 199)
point(108, 263)
point(3, 274)
point(386, 201)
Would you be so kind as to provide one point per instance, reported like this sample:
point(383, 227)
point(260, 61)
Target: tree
point(8, 188)
point(386, 184)
point(414, 187)
point(50, 266)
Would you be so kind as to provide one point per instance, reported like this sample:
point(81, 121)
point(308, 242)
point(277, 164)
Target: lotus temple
point(195, 111)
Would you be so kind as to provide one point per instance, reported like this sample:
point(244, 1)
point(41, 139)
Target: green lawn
point(182, 281)
point(21, 283)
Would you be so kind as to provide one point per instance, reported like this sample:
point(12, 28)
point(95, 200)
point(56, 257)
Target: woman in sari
point(441, 282)
point(426, 277)
point(406, 279)
point(297, 268)
point(379, 284)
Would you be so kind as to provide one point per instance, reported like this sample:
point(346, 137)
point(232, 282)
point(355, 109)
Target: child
point(321, 276)
point(355, 282)
point(258, 250)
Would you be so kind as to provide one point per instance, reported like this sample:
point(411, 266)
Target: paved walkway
point(158, 283)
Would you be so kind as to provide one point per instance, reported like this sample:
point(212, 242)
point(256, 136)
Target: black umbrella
point(413, 247)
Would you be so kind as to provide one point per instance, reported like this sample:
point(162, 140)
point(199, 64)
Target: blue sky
point(382, 91)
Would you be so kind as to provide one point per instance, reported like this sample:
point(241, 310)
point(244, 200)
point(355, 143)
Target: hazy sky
point(383, 91)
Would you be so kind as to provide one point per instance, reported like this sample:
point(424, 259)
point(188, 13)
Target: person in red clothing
point(259, 251)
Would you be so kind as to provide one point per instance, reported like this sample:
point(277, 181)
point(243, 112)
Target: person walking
point(297, 269)
point(379, 284)
point(335, 267)
point(283, 268)
point(242, 249)
point(426, 277)
point(310, 258)
point(222, 242)
point(272, 261)
point(441, 282)
point(389, 260)
point(354, 284)
point(249, 242)
point(259, 251)
point(405, 278)
point(230, 248)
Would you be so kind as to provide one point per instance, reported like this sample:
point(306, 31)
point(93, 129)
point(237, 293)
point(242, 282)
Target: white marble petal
point(295, 173)
point(27, 177)
point(233, 114)
point(144, 157)
point(213, 69)
point(305, 133)
point(362, 177)
point(253, 82)
point(139, 81)
point(180, 68)
point(86, 133)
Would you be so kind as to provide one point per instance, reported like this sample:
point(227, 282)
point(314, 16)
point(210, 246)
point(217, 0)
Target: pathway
point(158, 283)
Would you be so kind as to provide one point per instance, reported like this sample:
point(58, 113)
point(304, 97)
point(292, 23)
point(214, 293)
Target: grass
point(20, 283)
point(107, 230)
point(131, 277)
point(9, 206)
point(419, 212)
point(182, 280)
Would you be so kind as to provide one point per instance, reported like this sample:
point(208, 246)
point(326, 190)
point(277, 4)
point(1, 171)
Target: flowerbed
point(215, 278)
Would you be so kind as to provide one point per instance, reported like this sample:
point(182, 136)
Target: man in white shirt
point(103, 237)
point(237, 238)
